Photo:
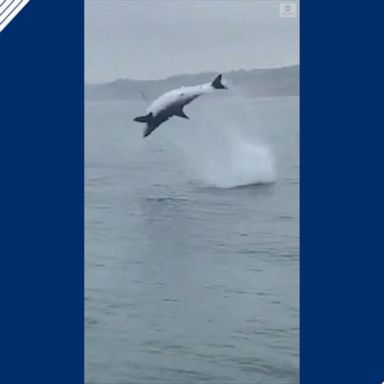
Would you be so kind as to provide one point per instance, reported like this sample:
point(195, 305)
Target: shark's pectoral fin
point(181, 113)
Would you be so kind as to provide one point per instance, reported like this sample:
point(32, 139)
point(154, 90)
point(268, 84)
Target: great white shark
point(172, 103)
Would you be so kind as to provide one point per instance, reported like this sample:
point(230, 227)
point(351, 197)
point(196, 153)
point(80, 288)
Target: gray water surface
point(190, 276)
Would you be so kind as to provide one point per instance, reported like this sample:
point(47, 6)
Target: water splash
point(221, 156)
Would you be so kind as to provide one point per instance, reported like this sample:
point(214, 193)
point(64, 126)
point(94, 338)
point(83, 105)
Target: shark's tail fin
point(144, 119)
point(217, 83)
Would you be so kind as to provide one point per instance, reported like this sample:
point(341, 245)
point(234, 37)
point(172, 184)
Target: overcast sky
point(148, 39)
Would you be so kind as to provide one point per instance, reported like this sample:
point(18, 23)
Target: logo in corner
point(9, 9)
point(288, 9)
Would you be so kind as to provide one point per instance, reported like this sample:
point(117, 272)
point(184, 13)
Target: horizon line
point(188, 74)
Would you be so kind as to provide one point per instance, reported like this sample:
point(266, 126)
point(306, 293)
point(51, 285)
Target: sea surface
point(192, 244)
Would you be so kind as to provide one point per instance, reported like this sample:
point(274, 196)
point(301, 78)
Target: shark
point(172, 103)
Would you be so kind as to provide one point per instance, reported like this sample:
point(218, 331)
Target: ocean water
point(192, 244)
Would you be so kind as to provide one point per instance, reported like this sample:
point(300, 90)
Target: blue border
point(342, 267)
point(41, 154)
point(41, 157)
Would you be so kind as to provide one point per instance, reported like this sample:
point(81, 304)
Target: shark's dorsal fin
point(217, 84)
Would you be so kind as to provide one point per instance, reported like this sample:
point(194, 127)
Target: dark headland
point(253, 83)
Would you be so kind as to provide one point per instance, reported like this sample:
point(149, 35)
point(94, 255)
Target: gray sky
point(152, 39)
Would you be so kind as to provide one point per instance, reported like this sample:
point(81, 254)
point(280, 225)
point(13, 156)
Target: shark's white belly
point(178, 96)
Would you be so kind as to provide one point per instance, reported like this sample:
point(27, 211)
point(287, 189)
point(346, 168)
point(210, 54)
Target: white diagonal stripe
point(9, 10)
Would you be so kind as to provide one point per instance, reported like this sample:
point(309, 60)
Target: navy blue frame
point(41, 157)
point(342, 294)
point(41, 194)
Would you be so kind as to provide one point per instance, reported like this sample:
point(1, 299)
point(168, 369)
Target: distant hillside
point(257, 83)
